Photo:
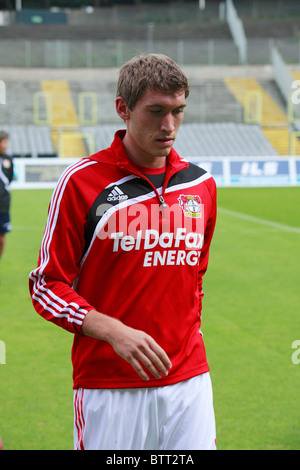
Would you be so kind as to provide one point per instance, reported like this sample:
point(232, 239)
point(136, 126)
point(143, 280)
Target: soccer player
point(6, 176)
point(121, 264)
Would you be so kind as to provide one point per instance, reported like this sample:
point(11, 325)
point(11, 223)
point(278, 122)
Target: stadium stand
point(218, 112)
point(193, 140)
point(273, 120)
point(205, 140)
point(223, 139)
point(30, 141)
point(229, 114)
point(63, 117)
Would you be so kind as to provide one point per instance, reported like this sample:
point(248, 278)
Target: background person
point(6, 176)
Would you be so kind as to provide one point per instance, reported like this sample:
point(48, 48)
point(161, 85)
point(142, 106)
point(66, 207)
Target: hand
point(135, 346)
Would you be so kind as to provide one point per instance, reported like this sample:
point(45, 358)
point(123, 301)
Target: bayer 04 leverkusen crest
point(191, 205)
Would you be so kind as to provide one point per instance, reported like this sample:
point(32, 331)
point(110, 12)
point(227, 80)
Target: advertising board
point(236, 172)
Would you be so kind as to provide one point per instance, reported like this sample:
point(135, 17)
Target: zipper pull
point(163, 203)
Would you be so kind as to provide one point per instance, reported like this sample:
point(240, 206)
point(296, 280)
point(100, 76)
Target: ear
point(122, 108)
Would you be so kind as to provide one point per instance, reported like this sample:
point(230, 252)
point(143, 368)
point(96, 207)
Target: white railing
point(288, 86)
point(282, 74)
point(237, 30)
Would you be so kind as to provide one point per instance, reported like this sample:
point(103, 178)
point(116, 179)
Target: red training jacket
point(116, 244)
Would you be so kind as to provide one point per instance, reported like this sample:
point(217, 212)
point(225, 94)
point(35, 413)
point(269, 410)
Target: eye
point(155, 111)
point(178, 110)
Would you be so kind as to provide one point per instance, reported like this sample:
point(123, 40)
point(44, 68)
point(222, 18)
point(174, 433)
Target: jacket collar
point(117, 155)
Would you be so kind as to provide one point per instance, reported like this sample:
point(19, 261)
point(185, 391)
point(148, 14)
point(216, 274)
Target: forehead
point(153, 97)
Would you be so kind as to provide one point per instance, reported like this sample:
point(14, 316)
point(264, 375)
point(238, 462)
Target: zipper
point(171, 171)
point(160, 198)
point(163, 202)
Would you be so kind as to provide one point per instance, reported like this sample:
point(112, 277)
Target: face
point(152, 126)
point(3, 146)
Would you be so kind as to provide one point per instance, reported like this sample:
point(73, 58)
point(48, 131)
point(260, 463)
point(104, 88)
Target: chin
point(163, 152)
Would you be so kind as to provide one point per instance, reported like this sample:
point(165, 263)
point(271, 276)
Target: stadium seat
point(273, 119)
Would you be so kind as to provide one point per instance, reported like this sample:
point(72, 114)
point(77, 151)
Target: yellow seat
point(270, 116)
point(66, 135)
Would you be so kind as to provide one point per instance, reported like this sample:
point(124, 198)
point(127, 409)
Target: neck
point(142, 159)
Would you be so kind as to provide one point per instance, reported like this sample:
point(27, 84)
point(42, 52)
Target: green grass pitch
point(250, 320)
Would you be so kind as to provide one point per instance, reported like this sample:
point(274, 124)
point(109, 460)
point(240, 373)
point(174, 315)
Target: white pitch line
point(257, 220)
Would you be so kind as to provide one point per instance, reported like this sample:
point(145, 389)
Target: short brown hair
point(155, 71)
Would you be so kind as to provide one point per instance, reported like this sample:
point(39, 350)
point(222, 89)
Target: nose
point(167, 123)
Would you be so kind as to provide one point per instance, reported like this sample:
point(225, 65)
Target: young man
point(121, 264)
point(6, 176)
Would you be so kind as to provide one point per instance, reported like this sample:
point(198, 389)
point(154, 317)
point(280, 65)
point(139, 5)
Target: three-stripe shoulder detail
point(42, 294)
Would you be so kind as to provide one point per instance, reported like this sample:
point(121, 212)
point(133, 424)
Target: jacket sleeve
point(11, 170)
point(51, 283)
point(8, 168)
point(211, 206)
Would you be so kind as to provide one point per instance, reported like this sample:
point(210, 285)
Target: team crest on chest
point(6, 163)
point(191, 205)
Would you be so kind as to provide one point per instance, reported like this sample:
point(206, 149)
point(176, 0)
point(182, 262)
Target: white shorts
point(174, 417)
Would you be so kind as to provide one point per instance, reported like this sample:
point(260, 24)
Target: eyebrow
point(159, 105)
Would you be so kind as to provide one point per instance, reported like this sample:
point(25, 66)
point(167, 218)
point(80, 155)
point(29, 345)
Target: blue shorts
point(5, 225)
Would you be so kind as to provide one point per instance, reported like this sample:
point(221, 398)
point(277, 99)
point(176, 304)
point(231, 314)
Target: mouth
point(166, 140)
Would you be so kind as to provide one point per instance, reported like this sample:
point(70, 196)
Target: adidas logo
point(117, 195)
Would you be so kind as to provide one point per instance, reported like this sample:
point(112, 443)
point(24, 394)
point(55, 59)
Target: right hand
point(138, 348)
point(135, 346)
